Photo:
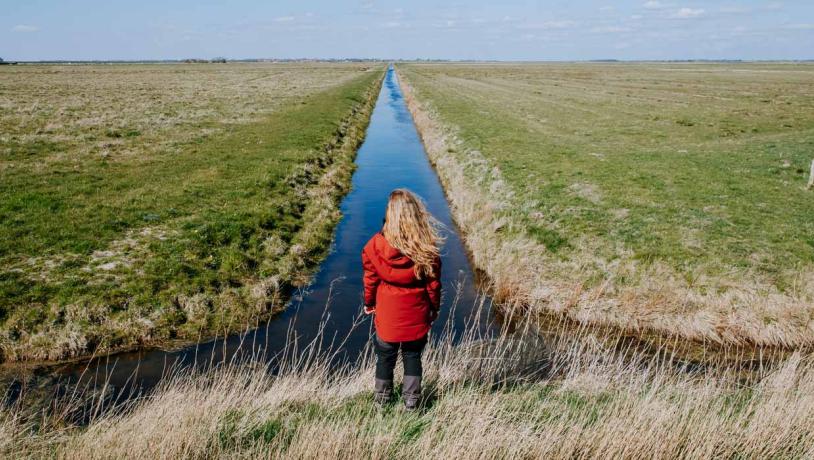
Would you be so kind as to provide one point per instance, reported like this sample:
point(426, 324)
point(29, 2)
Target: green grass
point(541, 406)
point(690, 165)
point(658, 197)
point(92, 234)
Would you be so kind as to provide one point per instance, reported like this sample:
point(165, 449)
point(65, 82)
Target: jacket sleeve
point(434, 287)
point(371, 279)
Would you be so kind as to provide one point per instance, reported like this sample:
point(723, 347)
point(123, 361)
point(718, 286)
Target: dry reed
point(514, 395)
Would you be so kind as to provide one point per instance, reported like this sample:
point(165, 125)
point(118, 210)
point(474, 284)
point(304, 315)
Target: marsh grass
point(512, 395)
point(649, 197)
point(152, 243)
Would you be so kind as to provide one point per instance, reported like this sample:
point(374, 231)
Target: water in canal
point(391, 156)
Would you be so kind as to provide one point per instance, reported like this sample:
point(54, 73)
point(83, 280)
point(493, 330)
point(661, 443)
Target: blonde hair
point(411, 229)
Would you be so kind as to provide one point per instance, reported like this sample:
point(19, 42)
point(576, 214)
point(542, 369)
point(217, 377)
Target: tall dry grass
point(514, 395)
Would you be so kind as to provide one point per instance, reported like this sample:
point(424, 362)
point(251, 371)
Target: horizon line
point(219, 60)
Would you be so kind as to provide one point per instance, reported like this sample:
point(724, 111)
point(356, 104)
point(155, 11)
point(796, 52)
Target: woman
point(402, 277)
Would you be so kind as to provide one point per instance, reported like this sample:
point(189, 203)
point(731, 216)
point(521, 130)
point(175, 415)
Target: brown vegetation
point(515, 396)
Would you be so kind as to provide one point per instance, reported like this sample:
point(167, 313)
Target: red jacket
point(403, 302)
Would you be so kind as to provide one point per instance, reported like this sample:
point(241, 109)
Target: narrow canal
point(329, 310)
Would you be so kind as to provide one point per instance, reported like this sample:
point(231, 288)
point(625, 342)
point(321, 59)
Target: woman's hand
point(370, 309)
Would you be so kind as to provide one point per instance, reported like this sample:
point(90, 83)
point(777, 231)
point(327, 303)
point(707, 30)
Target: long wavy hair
point(411, 229)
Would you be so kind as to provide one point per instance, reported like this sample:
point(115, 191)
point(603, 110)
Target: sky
point(426, 29)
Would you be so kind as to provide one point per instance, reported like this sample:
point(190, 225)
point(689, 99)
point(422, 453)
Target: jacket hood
point(391, 265)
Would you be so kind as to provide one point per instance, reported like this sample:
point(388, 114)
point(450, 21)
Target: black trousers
point(387, 352)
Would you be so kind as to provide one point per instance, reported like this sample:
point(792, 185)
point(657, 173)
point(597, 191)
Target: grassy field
point(140, 203)
point(652, 196)
point(572, 397)
point(567, 394)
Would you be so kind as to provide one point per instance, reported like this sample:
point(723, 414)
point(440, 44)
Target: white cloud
point(392, 24)
point(636, 17)
point(687, 13)
point(654, 5)
point(24, 28)
point(284, 19)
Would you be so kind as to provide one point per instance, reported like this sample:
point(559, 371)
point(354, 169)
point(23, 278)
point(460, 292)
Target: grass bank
point(512, 397)
point(650, 197)
point(202, 233)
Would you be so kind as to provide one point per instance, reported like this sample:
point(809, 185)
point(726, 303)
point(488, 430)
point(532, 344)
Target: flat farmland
point(650, 196)
point(141, 203)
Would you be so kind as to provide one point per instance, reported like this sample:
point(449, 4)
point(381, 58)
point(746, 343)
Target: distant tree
point(1, 59)
point(220, 60)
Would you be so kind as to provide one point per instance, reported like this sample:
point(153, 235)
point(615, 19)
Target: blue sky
point(476, 29)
